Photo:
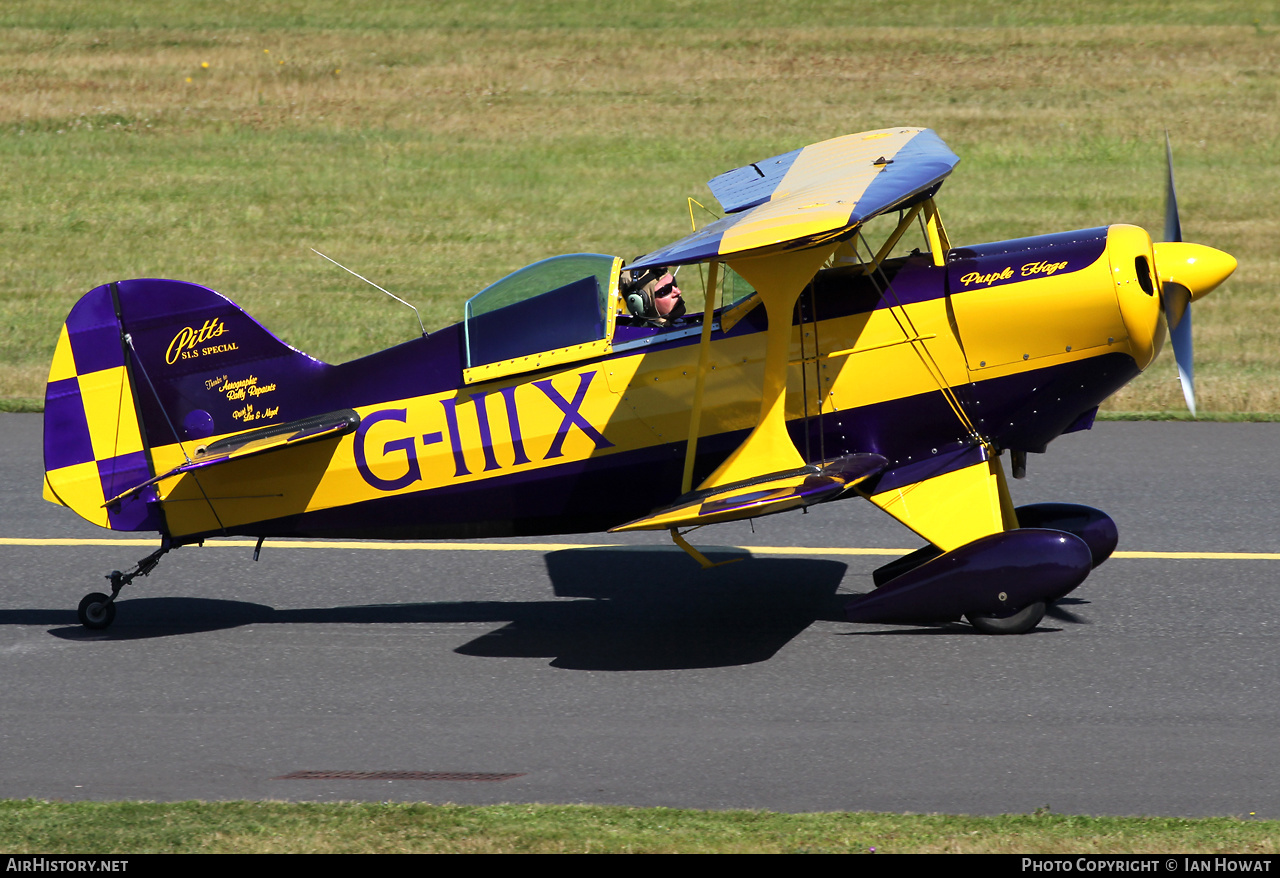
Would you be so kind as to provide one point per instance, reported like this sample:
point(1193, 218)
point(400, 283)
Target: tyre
point(96, 611)
point(1018, 623)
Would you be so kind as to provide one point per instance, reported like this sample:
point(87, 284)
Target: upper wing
point(813, 194)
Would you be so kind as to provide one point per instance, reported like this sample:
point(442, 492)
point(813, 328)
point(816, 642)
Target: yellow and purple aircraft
point(830, 362)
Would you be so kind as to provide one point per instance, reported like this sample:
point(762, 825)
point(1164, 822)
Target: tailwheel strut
point(97, 610)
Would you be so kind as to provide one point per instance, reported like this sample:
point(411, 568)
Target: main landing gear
point(97, 610)
point(1001, 583)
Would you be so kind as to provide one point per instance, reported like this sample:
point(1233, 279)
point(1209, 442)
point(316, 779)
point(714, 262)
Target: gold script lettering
point(188, 337)
point(1034, 268)
point(975, 277)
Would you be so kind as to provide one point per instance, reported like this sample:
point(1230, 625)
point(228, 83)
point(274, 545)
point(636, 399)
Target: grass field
point(275, 827)
point(435, 147)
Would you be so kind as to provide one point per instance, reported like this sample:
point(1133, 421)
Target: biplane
point(832, 360)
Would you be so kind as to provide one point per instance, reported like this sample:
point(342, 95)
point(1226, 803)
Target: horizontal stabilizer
point(763, 495)
point(255, 442)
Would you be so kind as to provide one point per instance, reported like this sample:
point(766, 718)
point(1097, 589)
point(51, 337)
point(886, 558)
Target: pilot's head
point(653, 295)
point(666, 296)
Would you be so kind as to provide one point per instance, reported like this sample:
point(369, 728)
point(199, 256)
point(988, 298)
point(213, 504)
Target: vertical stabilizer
point(156, 368)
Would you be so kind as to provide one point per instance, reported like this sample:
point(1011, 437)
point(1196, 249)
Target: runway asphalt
point(626, 675)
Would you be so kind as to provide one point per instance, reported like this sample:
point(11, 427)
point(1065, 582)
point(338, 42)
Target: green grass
point(1210, 417)
point(436, 147)
point(273, 827)
point(389, 15)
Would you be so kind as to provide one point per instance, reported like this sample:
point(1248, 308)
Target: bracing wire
point(909, 331)
point(177, 438)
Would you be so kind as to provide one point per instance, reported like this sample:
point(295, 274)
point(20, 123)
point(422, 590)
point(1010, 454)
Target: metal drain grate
point(396, 775)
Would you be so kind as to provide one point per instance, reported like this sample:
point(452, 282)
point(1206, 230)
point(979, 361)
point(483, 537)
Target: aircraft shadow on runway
point(650, 608)
point(617, 608)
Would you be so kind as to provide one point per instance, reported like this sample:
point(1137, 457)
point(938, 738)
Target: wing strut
point(704, 358)
point(809, 317)
point(779, 278)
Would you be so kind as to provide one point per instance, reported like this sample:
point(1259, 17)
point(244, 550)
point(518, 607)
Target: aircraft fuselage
point(591, 444)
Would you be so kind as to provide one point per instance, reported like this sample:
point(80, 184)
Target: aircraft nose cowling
point(1198, 268)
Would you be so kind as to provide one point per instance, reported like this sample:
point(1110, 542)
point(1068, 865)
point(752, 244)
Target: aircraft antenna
point(376, 287)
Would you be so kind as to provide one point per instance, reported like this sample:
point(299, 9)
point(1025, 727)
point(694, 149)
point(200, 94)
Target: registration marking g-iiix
point(400, 460)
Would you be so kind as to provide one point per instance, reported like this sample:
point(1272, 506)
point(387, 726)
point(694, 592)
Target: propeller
point(1174, 297)
point(1186, 272)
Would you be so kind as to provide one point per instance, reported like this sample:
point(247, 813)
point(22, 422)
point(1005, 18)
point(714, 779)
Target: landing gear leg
point(97, 611)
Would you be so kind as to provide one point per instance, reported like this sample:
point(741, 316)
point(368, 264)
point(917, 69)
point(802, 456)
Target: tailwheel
point(1018, 623)
point(96, 611)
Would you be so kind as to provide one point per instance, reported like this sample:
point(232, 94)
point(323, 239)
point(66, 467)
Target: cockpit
point(562, 302)
point(572, 307)
point(584, 305)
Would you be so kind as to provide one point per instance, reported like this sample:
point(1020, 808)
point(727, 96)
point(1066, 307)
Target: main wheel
point(96, 611)
point(1019, 623)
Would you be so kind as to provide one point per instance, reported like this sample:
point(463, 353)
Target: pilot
point(652, 295)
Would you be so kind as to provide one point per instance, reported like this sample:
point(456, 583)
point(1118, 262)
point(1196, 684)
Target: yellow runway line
point(388, 546)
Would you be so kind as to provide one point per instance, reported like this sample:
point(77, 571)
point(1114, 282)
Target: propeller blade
point(1172, 225)
point(1177, 298)
point(1174, 298)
